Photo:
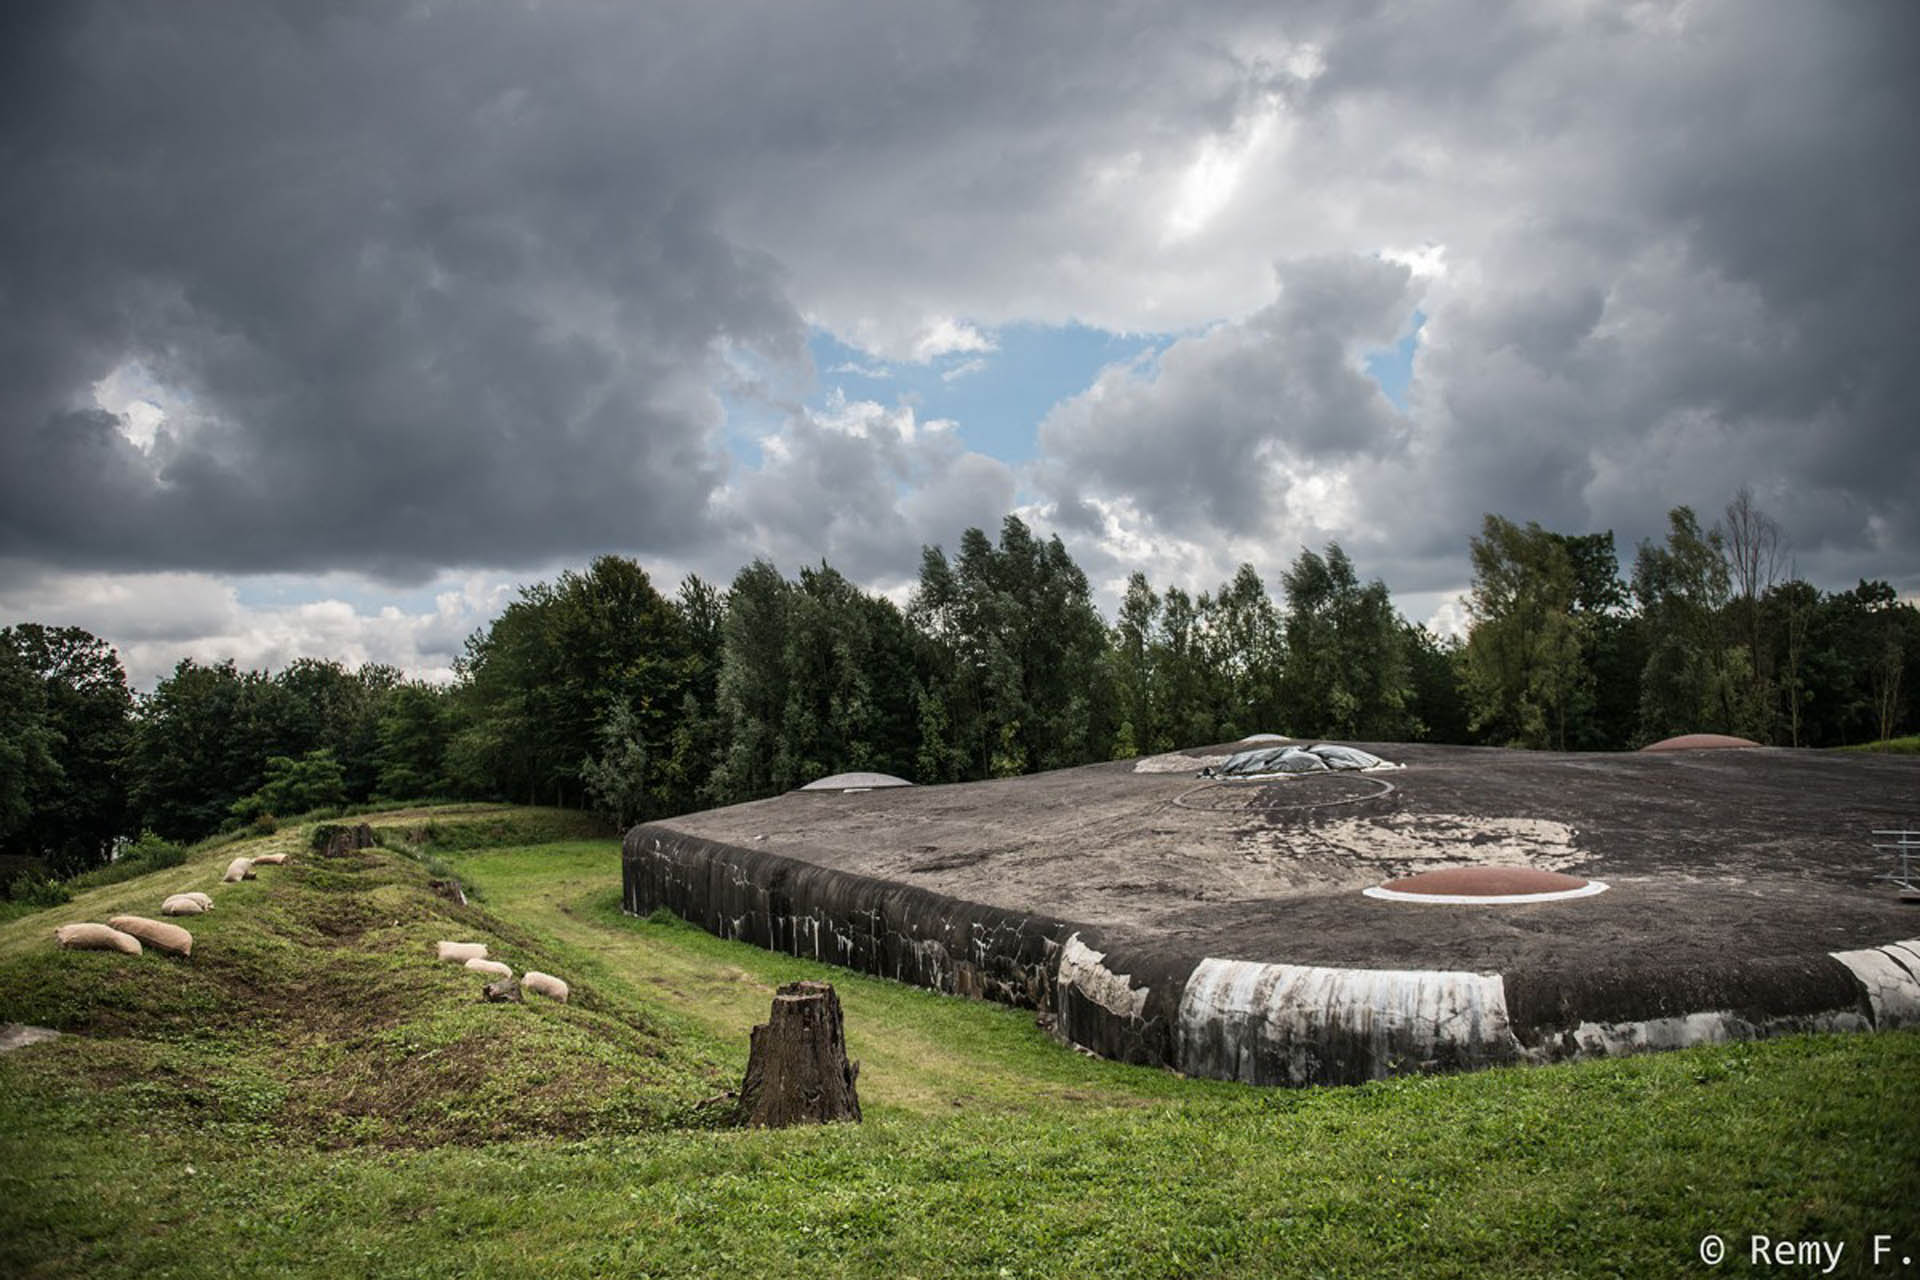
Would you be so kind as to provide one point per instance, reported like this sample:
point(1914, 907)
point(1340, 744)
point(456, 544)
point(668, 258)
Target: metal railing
point(1904, 846)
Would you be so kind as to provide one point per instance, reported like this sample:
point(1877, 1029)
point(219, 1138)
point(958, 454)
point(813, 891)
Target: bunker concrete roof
point(1761, 852)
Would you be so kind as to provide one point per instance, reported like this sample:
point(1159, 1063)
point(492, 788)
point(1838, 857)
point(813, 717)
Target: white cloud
point(155, 620)
point(131, 395)
point(1220, 162)
point(878, 372)
point(946, 336)
point(864, 486)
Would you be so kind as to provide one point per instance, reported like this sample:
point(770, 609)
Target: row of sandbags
point(473, 955)
point(1293, 759)
point(125, 934)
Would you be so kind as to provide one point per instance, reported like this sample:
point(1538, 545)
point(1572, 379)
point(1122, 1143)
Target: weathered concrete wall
point(1263, 1023)
point(875, 926)
point(1890, 976)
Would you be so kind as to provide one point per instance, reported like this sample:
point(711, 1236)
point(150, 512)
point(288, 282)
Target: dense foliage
point(597, 691)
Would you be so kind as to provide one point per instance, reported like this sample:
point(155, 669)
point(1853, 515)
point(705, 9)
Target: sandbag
point(95, 937)
point(544, 984)
point(461, 952)
point(1290, 759)
point(1339, 757)
point(239, 869)
point(494, 967)
point(1295, 760)
point(156, 933)
point(269, 859)
point(181, 904)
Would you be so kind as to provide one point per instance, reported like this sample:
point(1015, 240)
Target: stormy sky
point(323, 325)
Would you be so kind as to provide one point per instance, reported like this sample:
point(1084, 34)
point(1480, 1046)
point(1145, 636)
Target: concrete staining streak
point(1409, 843)
point(1307, 1024)
point(1891, 977)
point(1718, 1026)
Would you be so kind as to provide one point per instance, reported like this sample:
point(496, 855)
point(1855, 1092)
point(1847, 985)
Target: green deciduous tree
point(1346, 672)
point(617, 779)
point(751, 693)
point(1437, 671)
point(1695, 678)
point(537, 683)
point(1014, 648)
point(200, 742)
point(1523, 656)
point(30, 776)
point(411, 738)
point(313, 781)
point(1131, 657)
point(77, 808)
point(1242, 637)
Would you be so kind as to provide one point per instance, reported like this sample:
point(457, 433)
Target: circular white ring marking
point(1586, 890)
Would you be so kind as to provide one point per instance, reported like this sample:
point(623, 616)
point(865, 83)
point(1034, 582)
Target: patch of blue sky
point(997, 398)
point(283, 591)
point(1392, 367)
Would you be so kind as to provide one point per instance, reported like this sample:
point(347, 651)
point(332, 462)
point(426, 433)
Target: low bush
point(148, 853)
point(37, 891)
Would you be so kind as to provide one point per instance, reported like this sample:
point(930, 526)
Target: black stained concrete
point(1732, 874)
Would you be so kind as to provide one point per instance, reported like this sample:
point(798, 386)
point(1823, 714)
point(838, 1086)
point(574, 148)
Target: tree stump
point(337, 842)
point(797, 1069)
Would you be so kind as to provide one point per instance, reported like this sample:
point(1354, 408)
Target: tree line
point(597, 691)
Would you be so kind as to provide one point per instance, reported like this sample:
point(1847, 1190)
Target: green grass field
point(312, 1094)
point(1907, 746)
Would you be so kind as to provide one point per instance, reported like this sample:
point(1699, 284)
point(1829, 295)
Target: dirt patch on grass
point(489, 1074)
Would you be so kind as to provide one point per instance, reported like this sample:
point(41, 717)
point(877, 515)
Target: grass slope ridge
point(313, 1006)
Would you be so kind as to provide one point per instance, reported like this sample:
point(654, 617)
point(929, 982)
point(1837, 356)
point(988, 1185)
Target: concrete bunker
point(1223, 927)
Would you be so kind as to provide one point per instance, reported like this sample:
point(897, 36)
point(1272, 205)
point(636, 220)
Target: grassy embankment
point(1907, 746)
point(311, 1093)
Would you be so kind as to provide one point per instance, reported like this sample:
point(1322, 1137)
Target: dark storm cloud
point(1723, 296)
point(1678, 261)
point(453, 284)
point(409, 310)
point(448, 285)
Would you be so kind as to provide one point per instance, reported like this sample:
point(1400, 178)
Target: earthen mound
point(1699, 742)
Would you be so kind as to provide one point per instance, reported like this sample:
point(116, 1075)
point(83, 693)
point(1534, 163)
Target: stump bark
point(797, 1068)
point(336, 842)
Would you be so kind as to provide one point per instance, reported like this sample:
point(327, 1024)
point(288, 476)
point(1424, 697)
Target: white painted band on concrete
point(1307, 1024)
point(1084, 970)
point(1385, 894)
point(1891, 982)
